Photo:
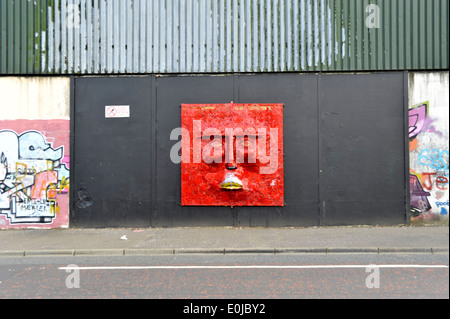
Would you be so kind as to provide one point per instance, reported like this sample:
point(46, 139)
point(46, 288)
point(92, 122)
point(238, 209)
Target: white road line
point(255, 267)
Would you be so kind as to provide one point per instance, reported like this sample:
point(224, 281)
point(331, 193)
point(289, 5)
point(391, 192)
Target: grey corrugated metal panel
point(198, 36)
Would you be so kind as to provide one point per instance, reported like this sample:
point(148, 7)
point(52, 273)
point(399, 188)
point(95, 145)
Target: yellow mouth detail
point(231, 186)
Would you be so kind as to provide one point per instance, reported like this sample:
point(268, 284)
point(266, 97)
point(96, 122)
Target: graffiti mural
point(429, 164)
point(34, 179)
point(419, 197)
point(417, 117)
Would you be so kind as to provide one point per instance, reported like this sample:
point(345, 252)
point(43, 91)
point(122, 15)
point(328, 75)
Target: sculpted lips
point(232, 183)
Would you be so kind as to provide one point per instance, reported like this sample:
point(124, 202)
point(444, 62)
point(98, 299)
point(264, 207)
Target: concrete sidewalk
point(170, 241)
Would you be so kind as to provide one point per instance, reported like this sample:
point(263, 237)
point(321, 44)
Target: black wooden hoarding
point(344, 147)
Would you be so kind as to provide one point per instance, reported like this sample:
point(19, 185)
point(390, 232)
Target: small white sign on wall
point(117, 111)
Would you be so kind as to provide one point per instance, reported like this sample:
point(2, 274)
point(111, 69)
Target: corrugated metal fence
point(203, 36)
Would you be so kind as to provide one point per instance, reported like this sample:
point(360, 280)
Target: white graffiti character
point(30, 171)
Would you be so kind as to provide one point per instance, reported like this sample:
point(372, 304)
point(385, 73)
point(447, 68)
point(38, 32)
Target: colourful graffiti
point(419, 197)
point(417, 118)
point(429, 165)
point(33, 176)
point(436, 159)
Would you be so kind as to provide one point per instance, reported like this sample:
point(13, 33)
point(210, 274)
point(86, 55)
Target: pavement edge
point(218, 251)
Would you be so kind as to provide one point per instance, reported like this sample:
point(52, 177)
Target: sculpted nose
point(231, 166)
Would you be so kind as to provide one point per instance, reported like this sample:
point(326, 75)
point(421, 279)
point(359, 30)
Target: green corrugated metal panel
point(23, 34)
point(218, 36)
point(412, 34)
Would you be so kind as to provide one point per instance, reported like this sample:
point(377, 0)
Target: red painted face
point(232, 155)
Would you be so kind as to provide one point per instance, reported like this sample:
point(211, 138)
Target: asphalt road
point(244, 277)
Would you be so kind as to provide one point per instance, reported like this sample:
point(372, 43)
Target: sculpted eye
point(216, 142)
point(248, 142)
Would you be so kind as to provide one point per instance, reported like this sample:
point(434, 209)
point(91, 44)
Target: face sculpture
point(232, 155)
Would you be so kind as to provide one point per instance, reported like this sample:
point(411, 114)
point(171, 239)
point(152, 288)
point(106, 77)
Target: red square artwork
point(232, 155)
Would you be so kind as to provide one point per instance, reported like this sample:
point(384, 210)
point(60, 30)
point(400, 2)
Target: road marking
point(255, 267)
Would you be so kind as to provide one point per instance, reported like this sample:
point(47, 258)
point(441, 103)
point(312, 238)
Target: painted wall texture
point(429, 152)
point(34, 152)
